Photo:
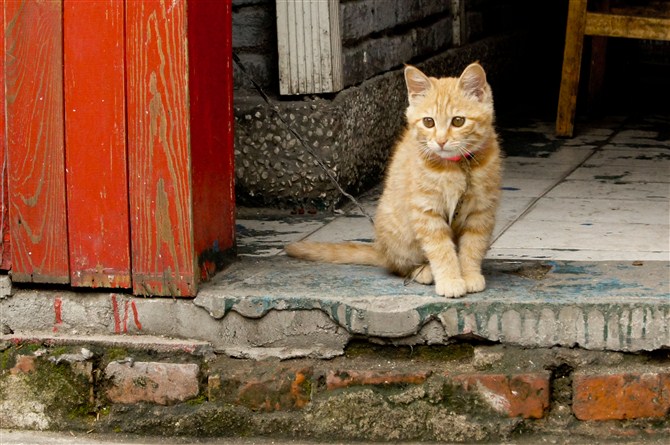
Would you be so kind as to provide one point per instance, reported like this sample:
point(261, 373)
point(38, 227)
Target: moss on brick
point(7, 358)
point(62, 390)
point(113, 354)
point(63, 394)
point(457, 351)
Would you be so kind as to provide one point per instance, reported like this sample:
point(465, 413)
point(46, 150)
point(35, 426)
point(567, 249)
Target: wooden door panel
point(163, 260)
point(211, 130)
point(95, 141)
point(36, 171)
point(5, 246)
point(117, 159)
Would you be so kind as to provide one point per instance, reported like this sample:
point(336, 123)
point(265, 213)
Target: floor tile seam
point(318, 229)
point(509, 257)
point(606, 163)
point(536, 199)
point(563, 248)
point(629, 146)
point(568, 249)
point(619, 182)
point(589, 221)
point(512, 160)
point(605, 198)
point(596, 198)
point(586, 220)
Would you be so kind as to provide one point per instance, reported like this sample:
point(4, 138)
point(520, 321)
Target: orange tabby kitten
point(437, 212)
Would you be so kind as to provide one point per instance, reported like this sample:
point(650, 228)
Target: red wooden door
point(35, 143)
point(119, 142)
point(179, 141)
point(95, 141)
point(5, 253)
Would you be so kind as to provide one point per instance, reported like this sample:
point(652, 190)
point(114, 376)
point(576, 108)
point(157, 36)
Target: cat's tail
point(340, 253)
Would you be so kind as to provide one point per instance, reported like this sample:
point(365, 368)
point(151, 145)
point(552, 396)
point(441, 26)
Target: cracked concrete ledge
point(604, 305)
point(279, 307)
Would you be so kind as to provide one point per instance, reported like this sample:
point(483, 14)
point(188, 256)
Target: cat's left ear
point(418, 84)
point(473, 81)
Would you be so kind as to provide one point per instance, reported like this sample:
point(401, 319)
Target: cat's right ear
point(418, 84)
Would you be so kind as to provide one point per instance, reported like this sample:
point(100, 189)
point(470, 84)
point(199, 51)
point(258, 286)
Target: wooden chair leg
point(572, 61)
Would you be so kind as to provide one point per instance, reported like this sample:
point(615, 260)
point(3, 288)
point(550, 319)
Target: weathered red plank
point(5, 246)
point(36, 171)
point(95, 141)
point(163, 261)
point(211, 119)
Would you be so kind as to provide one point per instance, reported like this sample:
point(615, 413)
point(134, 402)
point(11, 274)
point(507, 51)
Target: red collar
point(458, 158)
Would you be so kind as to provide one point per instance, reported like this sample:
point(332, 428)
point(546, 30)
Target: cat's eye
point(428, 122)
point(457, 121)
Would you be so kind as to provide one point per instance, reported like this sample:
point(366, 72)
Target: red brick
point(344, 379)
point(160, 383)
point(518, 395)
point(282, 389)
point(633, 395)
point(24, 364)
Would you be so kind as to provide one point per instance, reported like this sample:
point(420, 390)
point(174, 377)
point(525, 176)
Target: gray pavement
point(64, 438)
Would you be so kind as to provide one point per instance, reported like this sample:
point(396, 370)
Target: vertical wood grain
point(572, 62)
point(36, 170)
point(211, 129)
point(309, 47)
point(95, 140)
point(458, 23)
point(5, 246)
point(163, 261)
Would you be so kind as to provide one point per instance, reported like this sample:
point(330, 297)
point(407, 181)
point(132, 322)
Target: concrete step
point(284, 308)
point(618, 306)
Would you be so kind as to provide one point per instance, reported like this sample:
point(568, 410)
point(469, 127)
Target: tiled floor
point(602, 195)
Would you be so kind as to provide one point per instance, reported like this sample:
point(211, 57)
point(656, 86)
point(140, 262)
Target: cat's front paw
point(423, 274)
point(451, 288)
point(474, 282)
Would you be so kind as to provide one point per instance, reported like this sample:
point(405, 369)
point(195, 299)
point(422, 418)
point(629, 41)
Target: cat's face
point(451, 118)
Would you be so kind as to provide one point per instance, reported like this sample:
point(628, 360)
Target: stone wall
point(378, 35)
point(353, 131)
point(255, 43)
point(460, 393)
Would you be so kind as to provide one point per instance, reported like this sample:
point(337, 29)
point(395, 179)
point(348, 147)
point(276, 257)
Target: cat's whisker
point(467, 155)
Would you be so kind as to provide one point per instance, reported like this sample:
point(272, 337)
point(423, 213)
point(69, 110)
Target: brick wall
point(456, 393)
point(377, 35)
point(255, 42)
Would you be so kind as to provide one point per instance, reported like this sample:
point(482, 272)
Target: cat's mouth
point(449, 155)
